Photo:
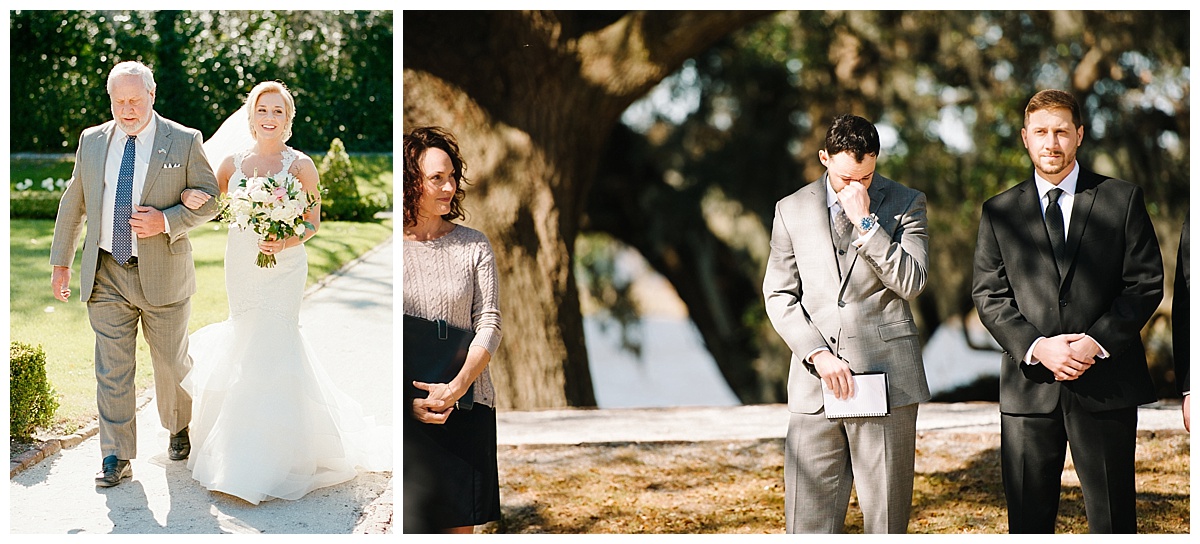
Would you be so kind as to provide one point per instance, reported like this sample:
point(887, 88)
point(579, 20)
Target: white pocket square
point(171, 165)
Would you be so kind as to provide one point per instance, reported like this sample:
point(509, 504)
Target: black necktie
point(1054, 227)
point(122, 239)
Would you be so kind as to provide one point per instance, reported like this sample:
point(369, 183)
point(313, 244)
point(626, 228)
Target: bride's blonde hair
point(289, 105)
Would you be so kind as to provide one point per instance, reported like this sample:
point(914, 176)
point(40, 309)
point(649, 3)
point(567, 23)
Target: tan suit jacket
point(165, 263)
point(874, 329)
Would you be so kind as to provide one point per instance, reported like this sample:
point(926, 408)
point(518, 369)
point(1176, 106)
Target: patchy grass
point(737, 487)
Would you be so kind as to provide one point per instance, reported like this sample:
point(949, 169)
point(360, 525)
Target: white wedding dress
point(267, 421)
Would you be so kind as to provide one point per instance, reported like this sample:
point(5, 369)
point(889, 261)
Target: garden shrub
point(32, 400)
point(340, 200)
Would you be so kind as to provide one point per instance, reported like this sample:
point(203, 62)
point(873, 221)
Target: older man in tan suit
point(137, 259)
point(848, 255)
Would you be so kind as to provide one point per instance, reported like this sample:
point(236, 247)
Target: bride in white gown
point(267, 420)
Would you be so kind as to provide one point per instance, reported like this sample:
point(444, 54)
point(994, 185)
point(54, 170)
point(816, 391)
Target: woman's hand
point(272, 246)
point(435, 408)
point(423, 410)
point(194, 198)
point(441, 396)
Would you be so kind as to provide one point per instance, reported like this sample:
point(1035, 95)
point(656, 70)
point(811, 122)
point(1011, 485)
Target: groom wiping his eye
point(137, 259)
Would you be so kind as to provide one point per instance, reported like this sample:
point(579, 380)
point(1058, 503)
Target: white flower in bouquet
point(270, 207)
point(283, 213)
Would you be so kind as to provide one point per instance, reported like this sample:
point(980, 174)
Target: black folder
point(434, 352)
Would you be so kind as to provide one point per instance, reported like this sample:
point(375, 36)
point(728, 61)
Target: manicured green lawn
point(62, 328)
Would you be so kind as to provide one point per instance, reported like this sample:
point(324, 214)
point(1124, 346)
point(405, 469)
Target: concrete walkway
point(696, 424)
point(348, 321)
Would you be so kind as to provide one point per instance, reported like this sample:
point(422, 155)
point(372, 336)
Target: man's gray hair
point(132, 68)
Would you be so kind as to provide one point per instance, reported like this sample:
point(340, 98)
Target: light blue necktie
point(122, 239)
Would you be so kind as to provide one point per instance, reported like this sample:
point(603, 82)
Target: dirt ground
point(737, 487)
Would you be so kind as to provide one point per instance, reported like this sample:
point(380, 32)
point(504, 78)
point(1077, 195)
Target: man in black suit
point(1181, 309)
point(1067, 272)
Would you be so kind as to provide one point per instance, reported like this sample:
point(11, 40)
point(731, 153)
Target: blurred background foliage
point(338, 65)
point(693, 172)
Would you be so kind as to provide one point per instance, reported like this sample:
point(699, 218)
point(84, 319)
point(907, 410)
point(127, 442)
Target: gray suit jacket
point(874, 330)
point(164, 264)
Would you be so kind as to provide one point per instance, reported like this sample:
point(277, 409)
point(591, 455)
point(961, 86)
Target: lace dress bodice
point(268, 291)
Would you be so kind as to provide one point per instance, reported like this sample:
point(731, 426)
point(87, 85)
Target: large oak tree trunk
point(532, 98)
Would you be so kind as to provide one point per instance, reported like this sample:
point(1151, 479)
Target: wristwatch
point(866, 223)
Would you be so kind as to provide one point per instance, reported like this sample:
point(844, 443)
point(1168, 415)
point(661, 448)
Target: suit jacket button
point(832, 341)
point(841, 252)
point(1062, 303)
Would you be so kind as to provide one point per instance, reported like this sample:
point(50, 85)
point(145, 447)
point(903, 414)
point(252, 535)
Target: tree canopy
point(338, 65)
point(690, 176)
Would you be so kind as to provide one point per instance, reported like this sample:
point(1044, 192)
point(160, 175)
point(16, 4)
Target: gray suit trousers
point(114, 309)
point(824, 457)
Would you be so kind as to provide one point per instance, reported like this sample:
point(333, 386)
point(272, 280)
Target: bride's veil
point(233, 136)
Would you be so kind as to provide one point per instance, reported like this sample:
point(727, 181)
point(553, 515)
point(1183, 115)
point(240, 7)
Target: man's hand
point(60, 280)
point(147, 221)
point(835, 373)
point(1085, 348)
point(1187, 413)
point(855, 201)
point(1062, 358)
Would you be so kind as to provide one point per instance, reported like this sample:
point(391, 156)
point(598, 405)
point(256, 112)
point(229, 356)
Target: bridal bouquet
point(272, 207)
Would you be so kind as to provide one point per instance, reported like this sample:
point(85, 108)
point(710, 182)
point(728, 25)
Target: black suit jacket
point(1181, 310)
point(1112, 287)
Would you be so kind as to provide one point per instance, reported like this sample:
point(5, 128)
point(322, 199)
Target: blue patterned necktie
point(122, 237)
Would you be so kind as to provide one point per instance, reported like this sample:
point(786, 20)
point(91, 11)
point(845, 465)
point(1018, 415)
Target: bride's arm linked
point(193, 199)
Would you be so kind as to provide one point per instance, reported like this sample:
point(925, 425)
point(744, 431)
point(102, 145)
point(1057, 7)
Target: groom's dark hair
point(854, 135)
point(416, 143)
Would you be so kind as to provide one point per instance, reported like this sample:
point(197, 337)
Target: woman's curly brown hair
point(416, 143)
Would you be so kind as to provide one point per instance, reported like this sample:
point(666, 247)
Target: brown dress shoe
point(112, 471)
point(180, 446)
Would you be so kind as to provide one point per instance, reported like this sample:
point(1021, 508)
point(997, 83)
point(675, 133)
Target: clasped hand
point(1067, 356)
point(437, 407)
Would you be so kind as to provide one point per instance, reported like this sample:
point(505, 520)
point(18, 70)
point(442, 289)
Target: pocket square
point(171, 165)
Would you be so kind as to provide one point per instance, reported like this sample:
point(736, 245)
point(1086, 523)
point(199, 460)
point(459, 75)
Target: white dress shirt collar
point(145, 138)
point(830, 194)
point(1068, 183)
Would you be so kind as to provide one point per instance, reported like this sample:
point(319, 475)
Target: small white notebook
point(870, 398)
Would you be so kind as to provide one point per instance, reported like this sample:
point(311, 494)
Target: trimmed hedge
point(34, 204)
point(32, 400)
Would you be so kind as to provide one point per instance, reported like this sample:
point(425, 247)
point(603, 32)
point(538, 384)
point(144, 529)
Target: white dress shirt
point(143, 151)
point(1066, 202)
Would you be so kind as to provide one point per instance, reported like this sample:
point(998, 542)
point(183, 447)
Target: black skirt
point(450, 471)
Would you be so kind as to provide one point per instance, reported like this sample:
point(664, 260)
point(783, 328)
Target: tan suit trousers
point(116, 306)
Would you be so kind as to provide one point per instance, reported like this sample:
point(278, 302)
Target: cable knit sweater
point(454, 278)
